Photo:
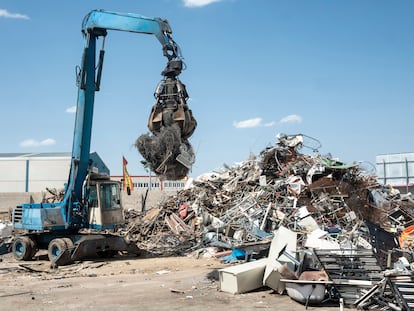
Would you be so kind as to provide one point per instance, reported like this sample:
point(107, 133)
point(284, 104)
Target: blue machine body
point(71, 213)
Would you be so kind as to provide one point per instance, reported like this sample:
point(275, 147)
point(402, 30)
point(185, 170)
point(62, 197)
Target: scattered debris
point(306, 292)
point(15, 294)
point(353, 271)
point(243, 278)
point(292, 220)
point(177, 291)
point(393, 292)
point(329, 206)
point(161, 272)
point(6, 229)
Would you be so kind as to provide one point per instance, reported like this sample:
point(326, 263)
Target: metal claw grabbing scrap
point(166, 149)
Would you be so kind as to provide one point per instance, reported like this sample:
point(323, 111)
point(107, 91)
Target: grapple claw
point(171, 123)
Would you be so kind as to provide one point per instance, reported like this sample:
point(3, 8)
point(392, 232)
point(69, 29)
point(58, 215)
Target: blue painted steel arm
point(133, 23)
point(95, 25)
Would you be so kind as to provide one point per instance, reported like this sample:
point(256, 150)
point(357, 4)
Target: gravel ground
point(129, 283)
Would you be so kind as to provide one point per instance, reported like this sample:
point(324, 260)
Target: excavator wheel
point(34, 249)
point(23, 248)
point(58, 252)
point(68, 243)
point(70, 246)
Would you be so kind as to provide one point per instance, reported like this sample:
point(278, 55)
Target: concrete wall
point(154, 197)
point(9, 200)
point(13, 175)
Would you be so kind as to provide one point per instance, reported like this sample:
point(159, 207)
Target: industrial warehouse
point(34, 172)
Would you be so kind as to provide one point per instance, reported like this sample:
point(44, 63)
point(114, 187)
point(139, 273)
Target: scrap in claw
point(167, 149)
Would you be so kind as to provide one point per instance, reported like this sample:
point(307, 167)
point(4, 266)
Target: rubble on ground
point(335, 218)
point(6, 229)
point(322, 199)
point(354, 227)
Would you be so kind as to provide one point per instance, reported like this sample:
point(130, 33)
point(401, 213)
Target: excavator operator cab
point(104, 205)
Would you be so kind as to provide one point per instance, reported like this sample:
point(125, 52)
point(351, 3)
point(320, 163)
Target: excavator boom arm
point(133, 23)
point(95, 25)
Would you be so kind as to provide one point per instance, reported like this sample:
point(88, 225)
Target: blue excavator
point(85, 221)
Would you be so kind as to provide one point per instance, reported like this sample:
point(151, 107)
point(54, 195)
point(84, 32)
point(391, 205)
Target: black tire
point(34, 249)
point(68, 243)
point(23, 248)
point(57, 252)
point(70, 246)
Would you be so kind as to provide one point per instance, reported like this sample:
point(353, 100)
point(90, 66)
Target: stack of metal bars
point(352, 271)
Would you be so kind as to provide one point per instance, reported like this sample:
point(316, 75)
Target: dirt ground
point(129, 283)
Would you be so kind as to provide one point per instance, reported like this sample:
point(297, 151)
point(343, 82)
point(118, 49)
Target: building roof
point(36, 155)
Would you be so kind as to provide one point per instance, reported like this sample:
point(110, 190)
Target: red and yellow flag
point(128, 184)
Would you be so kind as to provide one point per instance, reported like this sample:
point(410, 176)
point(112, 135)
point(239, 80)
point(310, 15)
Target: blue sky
point(339, 71)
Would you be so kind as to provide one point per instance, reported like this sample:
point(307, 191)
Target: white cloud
point(258, 122)
point(36, 143)
point(255, 122)
point(198, 3)
point(6, 14)
point(291, 119)
point(71, 109)
point(270, 124)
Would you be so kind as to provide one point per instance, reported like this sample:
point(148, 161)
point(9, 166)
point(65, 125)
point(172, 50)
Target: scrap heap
point(325, 201)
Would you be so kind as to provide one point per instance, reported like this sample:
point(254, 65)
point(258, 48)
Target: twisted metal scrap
point(245, 204)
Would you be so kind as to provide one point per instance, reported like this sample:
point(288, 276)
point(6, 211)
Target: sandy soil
point(129, 283)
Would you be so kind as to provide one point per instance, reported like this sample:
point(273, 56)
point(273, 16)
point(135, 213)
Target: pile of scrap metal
point(324, 200)
point(392, 292)
point(352, 227)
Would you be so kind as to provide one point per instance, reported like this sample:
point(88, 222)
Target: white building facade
point(34, 172)
point(143, 182)
point(24, 172)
